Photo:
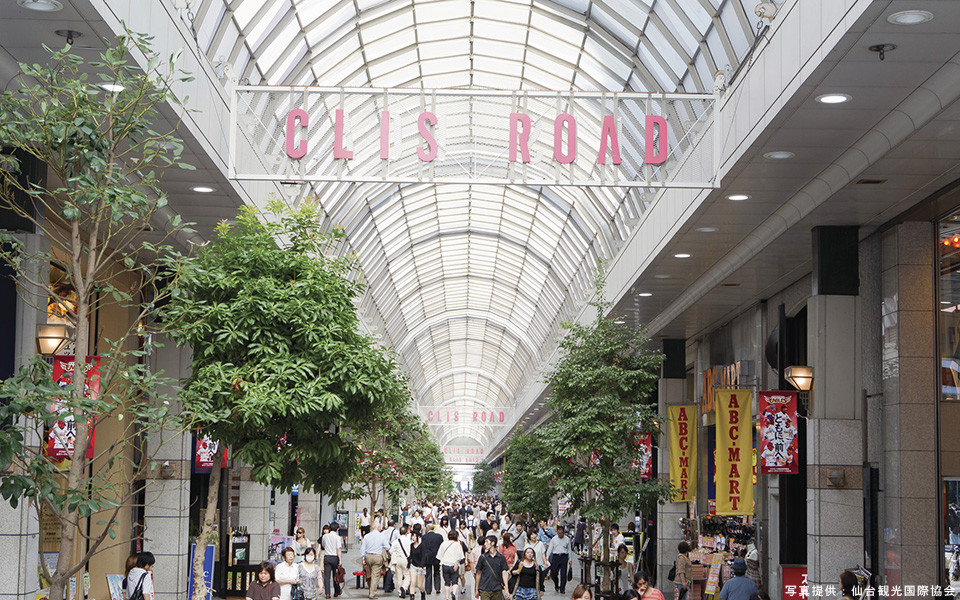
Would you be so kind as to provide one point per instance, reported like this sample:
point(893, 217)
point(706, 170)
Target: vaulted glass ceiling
point(470, 283)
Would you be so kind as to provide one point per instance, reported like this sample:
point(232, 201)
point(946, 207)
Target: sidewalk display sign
point(207, 570)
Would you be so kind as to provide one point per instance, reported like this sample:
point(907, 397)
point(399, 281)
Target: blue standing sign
point(207, 570)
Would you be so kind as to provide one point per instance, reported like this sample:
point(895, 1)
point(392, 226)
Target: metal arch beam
point(448, 316)
point(446, 373)
point(449, 433)
point(508, 363)
point(528, 355)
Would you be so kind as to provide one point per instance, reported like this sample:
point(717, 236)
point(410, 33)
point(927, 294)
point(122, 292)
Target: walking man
point(491, 577)
point(372, 547)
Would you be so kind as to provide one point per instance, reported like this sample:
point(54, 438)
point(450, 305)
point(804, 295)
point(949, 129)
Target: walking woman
point(265, 587)
point(645, 591)
point(581, 592)
point(508, 550)
point(450, 554)
point(418, 566)
point(300, 545)
point(684, 571)
point(625, 578)
point(527, 573)
point(310, 575)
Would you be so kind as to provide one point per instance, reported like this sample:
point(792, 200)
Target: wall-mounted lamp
point(52, 337)
point(800, 377)
point(837, 478)
point(166, 470)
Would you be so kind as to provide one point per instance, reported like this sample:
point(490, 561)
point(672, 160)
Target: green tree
point(433, 481)
point(598, 397)
point(483, 479)
point(389, 451)
point(281, 372)
point(525, 489)
point(100, 191)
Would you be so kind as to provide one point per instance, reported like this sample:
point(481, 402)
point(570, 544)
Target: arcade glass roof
point(470, 283)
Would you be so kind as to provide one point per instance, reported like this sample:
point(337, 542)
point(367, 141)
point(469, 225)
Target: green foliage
point(483, 479)
point(281, 372)
point(397, 453)
point(598, 392)
point(103, 163)
point(525, 489)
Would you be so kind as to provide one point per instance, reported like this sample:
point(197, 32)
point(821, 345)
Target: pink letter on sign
point(300, 150)
point(338, 151)
point(385, 135)
point(565, 159)
point(428, 155)
point(609, 130)
point(520, 137)
point(661, 155)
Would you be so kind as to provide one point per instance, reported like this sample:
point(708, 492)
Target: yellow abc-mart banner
point(734, 452)
point(682, 434)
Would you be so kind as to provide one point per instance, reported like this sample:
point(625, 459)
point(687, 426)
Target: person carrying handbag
point(684, 571)
point(450, 554)
point(400, 560)
point(140, 578)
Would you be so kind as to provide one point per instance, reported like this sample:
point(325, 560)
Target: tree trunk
point(605, 556)
point(70, 521)
point(206, 532)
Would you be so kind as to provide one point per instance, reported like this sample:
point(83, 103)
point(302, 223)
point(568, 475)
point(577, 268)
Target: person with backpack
point(683, 570)
point(140, 578)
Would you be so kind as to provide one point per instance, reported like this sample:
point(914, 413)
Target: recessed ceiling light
point(944, 302)
point(41, 5)
point(834, 98)
point(112, 87)
point(910, 17)
point(662, 276)
point(202, 189)
point(619, 322)
point(779, 155)
point(644, 294)
point(707, 229)
point(738, 197)
point(681, 255)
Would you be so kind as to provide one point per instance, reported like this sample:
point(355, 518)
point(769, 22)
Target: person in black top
point(417, 565)
point(492, 572)
point(431, 544)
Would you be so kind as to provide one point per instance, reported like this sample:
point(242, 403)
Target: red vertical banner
point(63, 433)
point(778, 434)
point(643, 463)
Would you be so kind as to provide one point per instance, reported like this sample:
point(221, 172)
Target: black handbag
point(673, 572)
point(137, 593)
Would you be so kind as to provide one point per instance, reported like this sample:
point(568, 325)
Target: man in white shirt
point(558, 553)
point(400, 559)
point(142, 576)
point(390, 533)
point(371, 548)
point(331, 544)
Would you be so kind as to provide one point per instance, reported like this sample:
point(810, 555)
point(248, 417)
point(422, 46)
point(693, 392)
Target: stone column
point(167, 501)
point(672, 388)
point(909, 503)
point(834, 429)
point(19, 527)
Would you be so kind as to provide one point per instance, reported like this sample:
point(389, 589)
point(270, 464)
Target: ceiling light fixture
point(738, 197)
point(661, 276)
point(681, 255)
point(779, 155)
point(69, 34)
point(834, 98)
point(707, 229)
point(644, 294)
point(202, 189)
point(112, 87)
point(910, 17)
point(41, 5)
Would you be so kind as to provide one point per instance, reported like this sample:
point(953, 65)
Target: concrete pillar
point(910, 543)
point(167, 502)
point(672, 391)
point(834, 428)
point(19, 527)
